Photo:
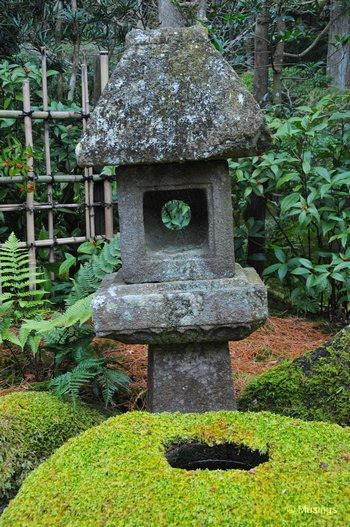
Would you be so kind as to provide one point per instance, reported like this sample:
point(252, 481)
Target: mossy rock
point(117, 475)
point(32, 426)
point(315, 386)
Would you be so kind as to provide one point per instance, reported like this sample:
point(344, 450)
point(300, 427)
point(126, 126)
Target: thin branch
point(312, 45)
point(280, 228)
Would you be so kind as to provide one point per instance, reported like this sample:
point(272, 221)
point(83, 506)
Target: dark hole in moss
point(227, 456)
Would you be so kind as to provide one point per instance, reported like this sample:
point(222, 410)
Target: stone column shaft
point(195, 377)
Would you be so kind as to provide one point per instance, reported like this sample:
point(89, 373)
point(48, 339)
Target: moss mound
point(117, 474)
point(315, 386)
point(32, 426)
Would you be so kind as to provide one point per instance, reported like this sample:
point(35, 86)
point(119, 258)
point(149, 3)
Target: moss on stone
point(32, 426)
point(315, 386)
point(116, 475)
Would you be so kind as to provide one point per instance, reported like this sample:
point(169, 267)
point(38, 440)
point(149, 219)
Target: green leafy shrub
point(305, 85)
point(315, 386)
point(32, 426)
point(117, 475)
point(305, 183)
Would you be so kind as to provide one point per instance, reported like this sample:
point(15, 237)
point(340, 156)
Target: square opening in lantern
point(176, 220)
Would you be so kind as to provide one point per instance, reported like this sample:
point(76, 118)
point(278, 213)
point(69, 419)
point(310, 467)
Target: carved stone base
point(194, 377)
point(180, 312)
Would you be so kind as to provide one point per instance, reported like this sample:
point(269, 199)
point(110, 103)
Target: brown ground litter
point(279, 339)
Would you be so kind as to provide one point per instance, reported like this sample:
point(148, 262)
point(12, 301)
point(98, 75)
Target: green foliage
point(304, 85)
point(33, 425)
point(97, 373)
point(14, 162)
point(91, 274)
point(97, 24)
point(19, 300)
point(18, 278)
point(85, 283)
point(117, 474)
point(12, 76)
point(64, 140)
point(68, 336)
point(315, 386)
point(65, 336)
point(176, 214)
point(305, 183)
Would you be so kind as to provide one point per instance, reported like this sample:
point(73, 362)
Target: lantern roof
point(172, 98)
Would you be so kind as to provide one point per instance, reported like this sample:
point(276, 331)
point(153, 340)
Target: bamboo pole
point(47, 151)
point(89, 214)
point(39, 114)
point(99, 191)
point(30, 195)
point(58, 241)
point(107, 185)
point(104, 69)
point(12, 207)
point(60, 178)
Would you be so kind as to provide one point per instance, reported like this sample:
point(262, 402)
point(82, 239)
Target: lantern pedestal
point(195, 377)
point(187, 324)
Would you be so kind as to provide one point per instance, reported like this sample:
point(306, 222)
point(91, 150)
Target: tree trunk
point(338, 55)
point(278, 64)
point(75, 57)
point(171, 15)
point(249, 51)
point(256, 208)
point(261, 56)
point(256, 244)
point(58, 41)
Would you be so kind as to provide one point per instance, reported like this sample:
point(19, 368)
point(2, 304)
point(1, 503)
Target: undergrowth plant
point(22, 296)
point(69, 335)
point(101, 375)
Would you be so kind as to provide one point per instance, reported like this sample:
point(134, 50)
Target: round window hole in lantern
point(176, 214)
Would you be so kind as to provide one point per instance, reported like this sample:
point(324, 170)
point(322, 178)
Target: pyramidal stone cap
point(171, 98)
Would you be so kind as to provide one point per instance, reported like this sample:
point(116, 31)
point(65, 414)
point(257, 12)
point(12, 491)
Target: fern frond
point(110, 380)
point(78, 313)
point(5, 296)
point(18, 279)
point(6, 334)
point(6, 308)
point(72, 382)
point(91, 274)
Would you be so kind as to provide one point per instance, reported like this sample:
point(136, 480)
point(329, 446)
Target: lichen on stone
point(172, 97)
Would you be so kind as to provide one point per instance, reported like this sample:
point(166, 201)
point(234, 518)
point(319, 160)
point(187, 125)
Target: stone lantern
point(171, 114)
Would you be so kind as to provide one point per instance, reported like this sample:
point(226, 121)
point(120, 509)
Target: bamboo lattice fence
point(97, 193)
